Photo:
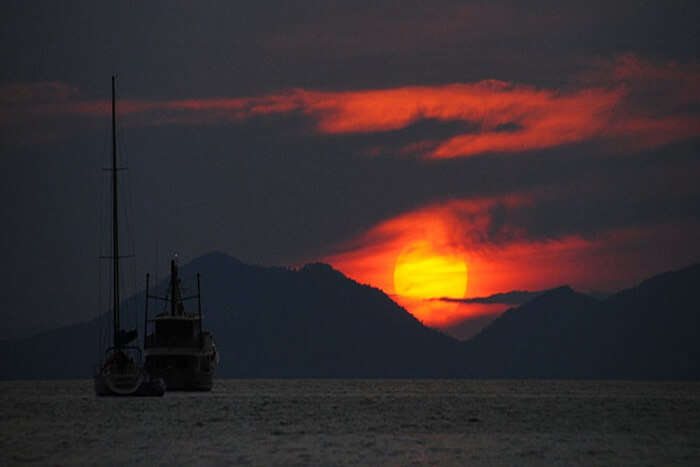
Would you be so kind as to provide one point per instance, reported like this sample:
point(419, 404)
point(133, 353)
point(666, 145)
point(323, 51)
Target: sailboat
point(121, 372)
point(178, 350)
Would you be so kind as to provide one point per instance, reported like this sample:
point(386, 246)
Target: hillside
point(270, 322)
point(315, 322)
point(646, 332)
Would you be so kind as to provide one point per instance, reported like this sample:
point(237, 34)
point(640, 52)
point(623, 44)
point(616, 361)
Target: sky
point(501, 145)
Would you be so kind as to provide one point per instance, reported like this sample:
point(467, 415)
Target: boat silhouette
point(178, 350)
point(121, 372)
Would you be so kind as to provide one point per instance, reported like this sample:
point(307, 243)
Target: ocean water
point(395, 422)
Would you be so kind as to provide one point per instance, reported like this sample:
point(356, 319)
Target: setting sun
point(423, 272)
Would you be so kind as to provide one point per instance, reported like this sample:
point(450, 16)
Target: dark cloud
point(516, 297)
point(168, 49)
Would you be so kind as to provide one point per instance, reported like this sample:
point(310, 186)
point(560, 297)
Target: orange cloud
point(456, 228)
point(628, 100)
point(605, 261)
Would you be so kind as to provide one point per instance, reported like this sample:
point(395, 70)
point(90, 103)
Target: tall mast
point(115, 222)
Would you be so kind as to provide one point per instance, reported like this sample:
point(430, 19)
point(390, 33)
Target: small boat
point(178, 350)
point(121, 372)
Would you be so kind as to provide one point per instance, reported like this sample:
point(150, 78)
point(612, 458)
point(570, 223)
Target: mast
point(115, 222)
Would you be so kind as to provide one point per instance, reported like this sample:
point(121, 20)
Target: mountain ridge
point(572, 335)
point(316, 322)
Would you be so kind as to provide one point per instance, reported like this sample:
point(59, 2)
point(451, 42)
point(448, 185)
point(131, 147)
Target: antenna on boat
point(199, 304)
point(173, 286)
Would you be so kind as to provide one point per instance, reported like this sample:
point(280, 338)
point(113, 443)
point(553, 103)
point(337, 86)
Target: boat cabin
point(175, 331)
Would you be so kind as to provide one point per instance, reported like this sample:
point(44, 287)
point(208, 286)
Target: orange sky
point(627, 102)
point(461, 227)
point(539, 144)
point(500, 116)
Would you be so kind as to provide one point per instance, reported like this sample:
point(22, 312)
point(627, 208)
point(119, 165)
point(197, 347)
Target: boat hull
point(187, 380)
point(128, 385)
point(181, 372)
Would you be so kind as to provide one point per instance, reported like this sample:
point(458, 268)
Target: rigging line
point(99, 269)
point(129, 277)
point(127, 273)
point(97, 321)
point(101, 218)
point(157, 254)
point(128, 196)
point(127, 187)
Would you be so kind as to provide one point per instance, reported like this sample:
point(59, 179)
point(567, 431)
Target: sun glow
point(423, 272)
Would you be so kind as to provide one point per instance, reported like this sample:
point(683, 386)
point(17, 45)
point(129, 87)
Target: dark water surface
point(356, 422)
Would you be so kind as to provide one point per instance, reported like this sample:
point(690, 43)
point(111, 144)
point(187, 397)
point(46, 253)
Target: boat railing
point(130, 350)
point(172, 341)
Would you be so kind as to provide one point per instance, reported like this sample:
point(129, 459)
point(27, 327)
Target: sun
point(423, 272)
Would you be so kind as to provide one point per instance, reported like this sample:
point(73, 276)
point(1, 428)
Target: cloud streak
point(628, 102)
point(516, 297)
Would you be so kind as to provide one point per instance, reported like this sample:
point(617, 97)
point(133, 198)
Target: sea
point(350, 422)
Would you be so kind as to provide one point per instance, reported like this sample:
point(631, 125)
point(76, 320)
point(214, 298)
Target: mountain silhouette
point(646, 332)
point(522, 341)
point(270, 322)
point(315, 322)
